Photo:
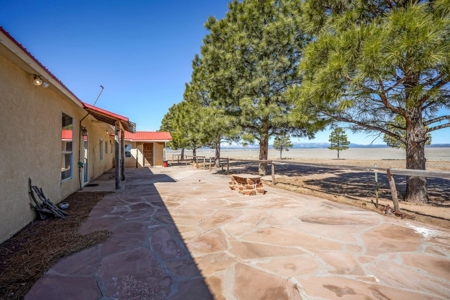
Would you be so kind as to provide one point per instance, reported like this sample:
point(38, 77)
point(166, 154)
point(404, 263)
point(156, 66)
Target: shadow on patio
point(145, 257)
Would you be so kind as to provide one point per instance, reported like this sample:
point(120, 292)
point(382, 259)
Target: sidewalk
point(181, 233)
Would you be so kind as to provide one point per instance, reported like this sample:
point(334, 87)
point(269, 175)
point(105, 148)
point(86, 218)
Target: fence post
point(393, 190)
point(228, 165)
point(204, 162)
point(376, 183)
point(210, 167)
point(273, 174)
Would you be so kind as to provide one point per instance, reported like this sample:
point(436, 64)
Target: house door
point(148, 154)
point(85, 154)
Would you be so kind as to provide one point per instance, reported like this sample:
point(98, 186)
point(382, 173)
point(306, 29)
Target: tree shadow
point(144, 258)
point(351, 183)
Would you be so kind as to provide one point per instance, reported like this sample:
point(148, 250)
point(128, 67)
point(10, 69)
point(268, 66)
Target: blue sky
point(140, 51)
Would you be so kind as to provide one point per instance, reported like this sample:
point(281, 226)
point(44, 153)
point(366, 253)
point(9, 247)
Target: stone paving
point(180, 233)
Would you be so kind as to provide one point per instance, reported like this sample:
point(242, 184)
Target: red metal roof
point(105, 112)
point(67, 135)
point(148, 136)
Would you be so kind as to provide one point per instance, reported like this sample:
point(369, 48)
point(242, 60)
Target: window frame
point(65, 152)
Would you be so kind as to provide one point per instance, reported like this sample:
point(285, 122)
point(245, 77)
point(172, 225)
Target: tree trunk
point(182, 153)
point(416, 187)
point(338, 154)
point(194, 154)
point(281, 153)
point(217, 156)
point(263, 153)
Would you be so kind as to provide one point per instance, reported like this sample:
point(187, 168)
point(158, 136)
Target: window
point(101, 149)
point(66, 147)
point(106, 147)
point(127, 150)
point(111, 144)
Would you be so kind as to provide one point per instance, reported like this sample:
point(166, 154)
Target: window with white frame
point(127, 150)
point(66, 147)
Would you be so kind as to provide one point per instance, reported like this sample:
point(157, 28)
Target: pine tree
point(282, 142)
point(371, 61)
point(251, 57)
point(338, 140)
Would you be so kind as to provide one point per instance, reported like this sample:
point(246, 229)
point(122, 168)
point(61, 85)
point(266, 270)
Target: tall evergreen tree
point(183, 121)
point(371, 61)
point(216, 126)
point(251, 57)
point(338, 140)
point(282, 142)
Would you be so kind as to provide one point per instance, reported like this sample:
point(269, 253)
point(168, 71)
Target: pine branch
point(438, 127)
point(438, 119)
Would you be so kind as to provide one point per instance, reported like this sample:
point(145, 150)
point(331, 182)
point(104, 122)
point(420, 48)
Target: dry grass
point(36, 248)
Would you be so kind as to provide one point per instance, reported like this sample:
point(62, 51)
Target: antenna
point(102, 88)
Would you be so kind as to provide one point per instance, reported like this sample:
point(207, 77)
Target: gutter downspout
point(82, 141)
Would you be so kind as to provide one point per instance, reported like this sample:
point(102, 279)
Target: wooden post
point(228, 165)
point(116, 155)
point(122, 154)
point(376, 185)
point(273, 174)
point(204, 162)
point(137, 155)
point(393, 190)
point(210, 162)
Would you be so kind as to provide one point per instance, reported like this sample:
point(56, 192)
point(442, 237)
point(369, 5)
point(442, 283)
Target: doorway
point(85, 160)
point(148, 154)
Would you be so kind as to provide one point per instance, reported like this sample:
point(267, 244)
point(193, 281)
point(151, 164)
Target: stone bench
point(246, 184)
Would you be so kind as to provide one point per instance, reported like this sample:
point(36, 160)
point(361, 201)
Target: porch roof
point(110, 118)
point(148, 136)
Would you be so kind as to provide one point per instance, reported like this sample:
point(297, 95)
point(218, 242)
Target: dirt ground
point(26, 256)
point(358, 187)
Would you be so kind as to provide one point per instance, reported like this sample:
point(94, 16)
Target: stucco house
point(145, 148)
point(47, 134)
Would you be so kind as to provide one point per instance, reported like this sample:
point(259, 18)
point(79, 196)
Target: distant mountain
point(326, 145)
point(438, 146)
point(322, 145)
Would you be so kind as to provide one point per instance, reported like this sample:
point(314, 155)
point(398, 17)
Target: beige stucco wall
point(30, 146)
point(137, 154)
point(130, 162)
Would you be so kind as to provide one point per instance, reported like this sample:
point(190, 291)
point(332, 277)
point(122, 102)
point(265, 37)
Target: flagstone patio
point(181, 233)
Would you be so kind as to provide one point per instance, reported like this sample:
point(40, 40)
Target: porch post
point(116, 155)
point(122, 150)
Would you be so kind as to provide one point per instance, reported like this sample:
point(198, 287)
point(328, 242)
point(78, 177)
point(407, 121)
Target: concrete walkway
point(180, 233)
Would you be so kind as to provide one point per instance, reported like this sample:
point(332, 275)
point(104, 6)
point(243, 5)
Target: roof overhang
point(147, 141)
point(110, 118)
point(22, 58)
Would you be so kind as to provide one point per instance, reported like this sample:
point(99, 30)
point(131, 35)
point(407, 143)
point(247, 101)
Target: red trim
point(148, 136)
point(105, 112)
point(36, 61)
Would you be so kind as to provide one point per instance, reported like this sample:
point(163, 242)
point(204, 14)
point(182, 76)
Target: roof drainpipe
point(80, 163)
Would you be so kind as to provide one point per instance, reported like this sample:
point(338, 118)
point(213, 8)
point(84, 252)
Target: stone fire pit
point(247, 184)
